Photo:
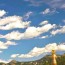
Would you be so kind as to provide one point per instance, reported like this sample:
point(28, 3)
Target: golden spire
point(54, 58)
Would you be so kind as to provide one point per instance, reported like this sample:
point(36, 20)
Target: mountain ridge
point(47, 60)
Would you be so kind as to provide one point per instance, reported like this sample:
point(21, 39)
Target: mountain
point(47, 60)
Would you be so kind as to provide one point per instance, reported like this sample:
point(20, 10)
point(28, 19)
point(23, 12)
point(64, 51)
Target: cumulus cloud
point(58, 31)
point(12, 22)
point(37, 51)
point(5, 45)
point(15, 35)
point(44, 22)
point(14, 55)
point(2, 13)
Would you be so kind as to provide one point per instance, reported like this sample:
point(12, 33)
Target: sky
point(30, 29)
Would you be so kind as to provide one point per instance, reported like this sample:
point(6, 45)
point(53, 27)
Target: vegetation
point(44, 61)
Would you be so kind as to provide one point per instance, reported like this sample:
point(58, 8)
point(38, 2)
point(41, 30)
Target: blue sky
point(30, 29)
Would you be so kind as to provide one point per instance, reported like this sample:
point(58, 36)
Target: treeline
point(47, 60)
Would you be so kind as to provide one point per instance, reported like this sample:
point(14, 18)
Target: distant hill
point(43, 61)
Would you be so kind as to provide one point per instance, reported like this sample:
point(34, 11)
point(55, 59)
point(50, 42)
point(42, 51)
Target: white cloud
point(8, 43)
point(44, 22)
point(46, 11)
point(55, 32)
point(4, 61)
point(15, 35)
point(37, 51)
point(55, 3)
point(34, 2)
point(64, 21)
point(43, 37)
point(50, 3)
point(14, 55)
point(27, 15)
point(61, 47)
point(63, 6)
point(49, 11)
point(2, 13)
point(5, 45)
point(58, 31)
point(0, 51)
point(11, 22)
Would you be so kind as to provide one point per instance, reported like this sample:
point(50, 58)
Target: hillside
point(44, 61)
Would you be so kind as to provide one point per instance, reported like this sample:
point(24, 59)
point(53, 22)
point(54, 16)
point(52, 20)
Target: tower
point(54, 58)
